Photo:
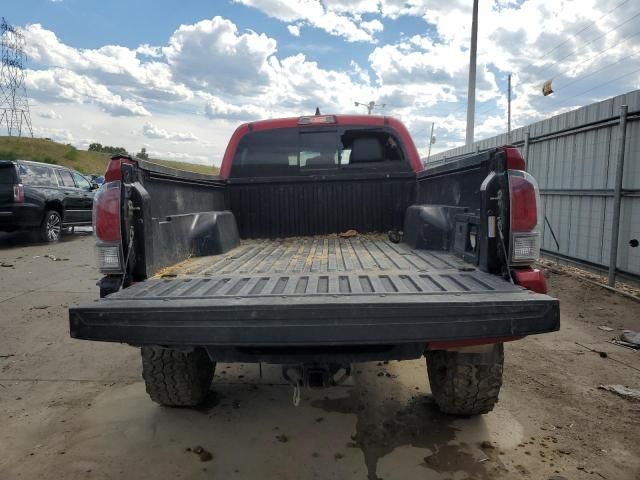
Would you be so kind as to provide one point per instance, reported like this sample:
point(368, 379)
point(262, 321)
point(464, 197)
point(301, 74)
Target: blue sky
point(92, 24)
point(178, 77)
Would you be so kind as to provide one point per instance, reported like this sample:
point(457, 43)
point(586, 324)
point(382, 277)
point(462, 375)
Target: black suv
point(44, 197)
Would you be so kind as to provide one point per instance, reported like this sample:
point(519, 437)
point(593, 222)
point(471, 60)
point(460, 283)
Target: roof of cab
point(294, 121)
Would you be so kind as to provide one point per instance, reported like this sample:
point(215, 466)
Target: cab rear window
point(312, 151)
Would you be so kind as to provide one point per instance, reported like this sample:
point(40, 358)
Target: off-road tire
point(466, 383)
point(177, 378)
point(51, 227)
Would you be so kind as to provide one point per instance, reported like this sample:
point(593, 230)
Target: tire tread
point(461, 386)
point(176, 378)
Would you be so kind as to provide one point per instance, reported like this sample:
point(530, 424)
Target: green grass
point(47, 151)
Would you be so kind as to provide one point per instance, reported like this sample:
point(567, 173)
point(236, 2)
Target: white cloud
point(294, 30)
point(50, 114)
point(328, 17)
point(217, 108)
point(372, 26)
point(62, 84)
point(61, 135)
point(109, 64)
point(151, 131)
point(149, 51)
point(180, 157)
point(211, 55)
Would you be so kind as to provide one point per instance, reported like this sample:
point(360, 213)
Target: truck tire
point(51, 226)
point(466, 383)
point(176, 378)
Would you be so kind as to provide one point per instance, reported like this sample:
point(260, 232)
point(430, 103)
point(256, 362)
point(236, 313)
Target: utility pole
point(509, 111)
point(471, 96)
point(369, 106)
point(430, 142)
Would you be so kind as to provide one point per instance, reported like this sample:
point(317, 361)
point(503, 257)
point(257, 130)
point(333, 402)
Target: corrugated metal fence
point(575, 156)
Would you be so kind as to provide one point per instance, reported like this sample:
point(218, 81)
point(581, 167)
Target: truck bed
point(323, 290)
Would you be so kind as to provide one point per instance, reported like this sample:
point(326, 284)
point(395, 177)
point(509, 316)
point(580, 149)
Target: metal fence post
point(526, 148)
point(617, 199)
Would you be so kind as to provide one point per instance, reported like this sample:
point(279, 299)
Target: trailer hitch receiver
point(314, 375)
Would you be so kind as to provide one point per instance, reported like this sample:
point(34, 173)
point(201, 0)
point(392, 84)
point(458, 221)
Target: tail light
point(514, 158)
point(107, 227)
point(526, 225)
point(114, 169)
point(18, 193)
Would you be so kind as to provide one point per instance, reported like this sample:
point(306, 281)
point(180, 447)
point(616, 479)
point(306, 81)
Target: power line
point(600, 85)
point(589, 43)
point(577, 49)
point(564, 100)
point(622, 40)
point(577, 79)
point(597, 71)
point(577, 33)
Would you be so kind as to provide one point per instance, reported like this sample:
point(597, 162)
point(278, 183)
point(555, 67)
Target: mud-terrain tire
point(466, 383)
point(177, 378)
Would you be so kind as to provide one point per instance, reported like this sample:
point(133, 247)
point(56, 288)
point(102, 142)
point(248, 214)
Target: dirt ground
point(78, 410)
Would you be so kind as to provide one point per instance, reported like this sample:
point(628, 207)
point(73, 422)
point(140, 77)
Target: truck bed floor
point(315, 266)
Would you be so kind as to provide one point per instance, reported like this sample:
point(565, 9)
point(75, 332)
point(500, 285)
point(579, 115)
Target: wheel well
point(54, 205)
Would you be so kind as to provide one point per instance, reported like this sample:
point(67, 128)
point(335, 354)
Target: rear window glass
point(7, 173)
point(65, 178)
point(301, 151)
point(37, 176)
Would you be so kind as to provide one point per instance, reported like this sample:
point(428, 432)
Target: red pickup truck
point(323, 242)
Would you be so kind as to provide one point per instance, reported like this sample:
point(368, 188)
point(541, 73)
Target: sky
point(177, 78)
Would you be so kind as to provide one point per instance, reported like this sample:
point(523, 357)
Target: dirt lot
point(78, 410)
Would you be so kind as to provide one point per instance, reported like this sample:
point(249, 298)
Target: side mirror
point(94, 186)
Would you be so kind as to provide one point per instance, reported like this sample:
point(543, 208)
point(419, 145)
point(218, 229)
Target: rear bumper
point(361, 320)
point(19, 216)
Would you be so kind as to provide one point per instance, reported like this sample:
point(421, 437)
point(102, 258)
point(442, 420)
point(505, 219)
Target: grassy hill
point(47, 151)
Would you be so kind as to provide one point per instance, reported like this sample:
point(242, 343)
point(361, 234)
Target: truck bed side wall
point(454, 202)
point(180, 216)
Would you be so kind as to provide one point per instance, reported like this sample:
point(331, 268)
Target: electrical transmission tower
point(14, 103)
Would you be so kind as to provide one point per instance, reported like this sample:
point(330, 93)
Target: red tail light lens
point(114, 169)
point(106, 212)
point(106, 225)
point(524, 208)
point(525, 221)
point(514, 159)
point(18, 193)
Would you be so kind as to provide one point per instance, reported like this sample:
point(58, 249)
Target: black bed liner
point(317, 290)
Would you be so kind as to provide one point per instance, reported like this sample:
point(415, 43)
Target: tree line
point(98, 147)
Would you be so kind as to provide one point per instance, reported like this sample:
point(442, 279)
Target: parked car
point(97, 179)
point(43, 197)
point(323, 242)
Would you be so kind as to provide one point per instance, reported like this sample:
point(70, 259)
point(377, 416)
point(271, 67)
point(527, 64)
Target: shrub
point(8, 155)
point(72, 154)
point(45, 159)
